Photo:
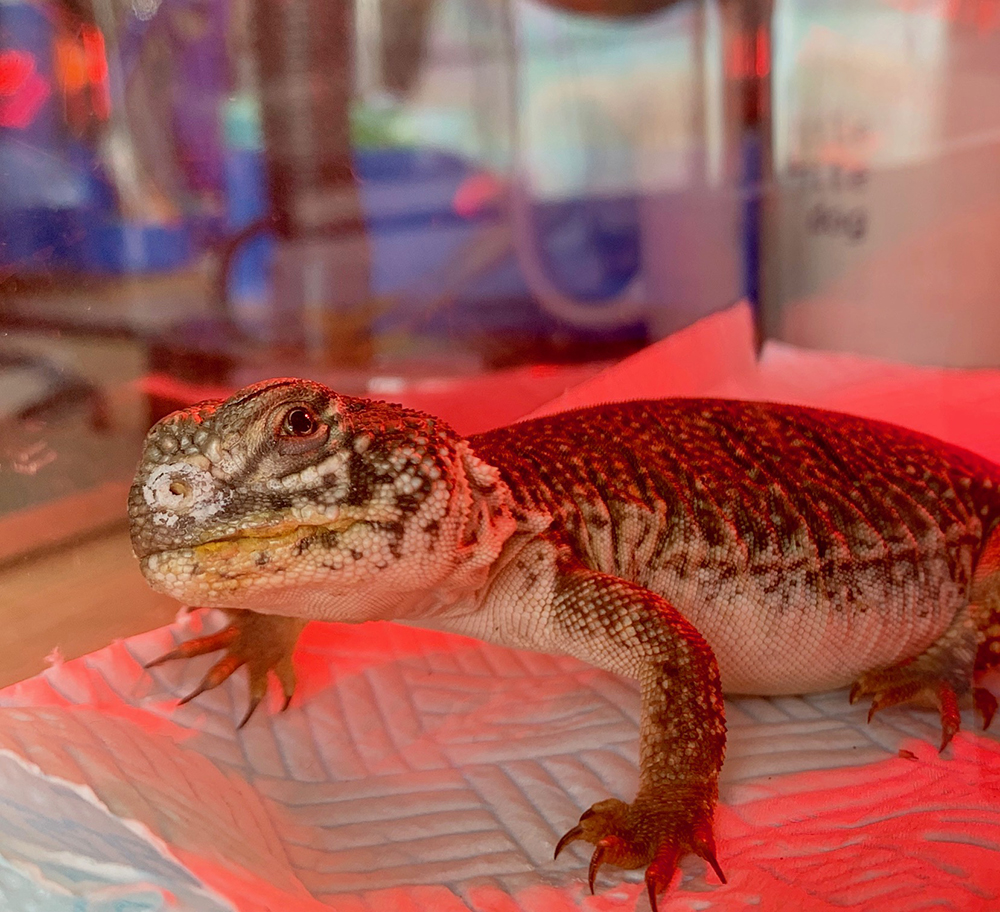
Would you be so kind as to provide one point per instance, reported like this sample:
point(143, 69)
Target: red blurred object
point(987, 15)
point(750, 55)
point(476, 193)
point(762, 53)
point(94, 54)
point(983, 14)
point(15, 68)
point(22, 90)
point(81, 66)
point(96, 59)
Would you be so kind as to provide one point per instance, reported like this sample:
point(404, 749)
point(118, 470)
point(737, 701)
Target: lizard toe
point(661, 871)
point(217, 674)
point(197, 646)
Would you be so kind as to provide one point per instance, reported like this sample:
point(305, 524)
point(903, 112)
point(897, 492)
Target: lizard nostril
point(176, 489)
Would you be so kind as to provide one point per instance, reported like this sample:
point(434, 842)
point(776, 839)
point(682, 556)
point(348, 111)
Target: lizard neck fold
point(492, 530)
point(487, 507)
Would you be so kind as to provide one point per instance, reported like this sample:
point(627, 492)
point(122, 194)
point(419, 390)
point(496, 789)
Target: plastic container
point(885, 205)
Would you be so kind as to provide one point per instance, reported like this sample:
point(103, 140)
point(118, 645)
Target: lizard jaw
point(217, 571)
point(276, 534)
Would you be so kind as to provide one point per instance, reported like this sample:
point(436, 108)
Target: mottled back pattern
point(849, 540)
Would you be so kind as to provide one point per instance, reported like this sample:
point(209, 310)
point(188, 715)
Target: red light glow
point(750, 55)
point(71, 66)
point(476, 193)
point(94, 54)
point(22, 90)
point(15, 69)
point(81, 66)
point(762, 53)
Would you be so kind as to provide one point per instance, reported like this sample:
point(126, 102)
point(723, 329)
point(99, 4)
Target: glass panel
point(195, 195)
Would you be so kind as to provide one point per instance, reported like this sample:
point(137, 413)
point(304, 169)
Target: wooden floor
point(68, 579)
point(76, 598)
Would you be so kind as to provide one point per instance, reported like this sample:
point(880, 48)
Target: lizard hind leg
point(937, 678)
point(986, 612)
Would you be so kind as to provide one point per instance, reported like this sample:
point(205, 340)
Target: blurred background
point(448, 202)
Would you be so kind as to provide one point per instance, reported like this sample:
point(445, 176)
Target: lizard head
point(291, 499)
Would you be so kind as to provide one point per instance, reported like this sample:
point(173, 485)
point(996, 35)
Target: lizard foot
point(262, 642)
point(895, 685)
point(646, 832)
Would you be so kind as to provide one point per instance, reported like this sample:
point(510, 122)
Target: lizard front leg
point(262, 642)
point(622, 627)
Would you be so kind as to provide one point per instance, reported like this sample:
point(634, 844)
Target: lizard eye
point(299, 422)
point(299, 430)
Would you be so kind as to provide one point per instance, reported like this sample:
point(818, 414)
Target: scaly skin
point(790, 549)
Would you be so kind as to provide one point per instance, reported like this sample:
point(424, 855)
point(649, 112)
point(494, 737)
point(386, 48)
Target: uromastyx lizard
point(696, 545)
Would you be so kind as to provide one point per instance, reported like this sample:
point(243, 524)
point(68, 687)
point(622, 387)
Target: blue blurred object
point(591, 247)
point(112, 245)
point(753, 177)
point(438, 266)
point(42, 184)
point(192, 34)
point(57, 208)
point(247, 205)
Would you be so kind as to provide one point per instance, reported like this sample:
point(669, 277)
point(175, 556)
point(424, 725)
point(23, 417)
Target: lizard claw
point(661, 871)
point(219, 672)
point(704, 846)
point(986, 705)
point(262, 642)
point(571, 836)
point(251, 706)
point(608, 845)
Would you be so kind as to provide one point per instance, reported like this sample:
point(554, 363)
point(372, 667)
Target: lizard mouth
point(267, 537)
point(250, 540)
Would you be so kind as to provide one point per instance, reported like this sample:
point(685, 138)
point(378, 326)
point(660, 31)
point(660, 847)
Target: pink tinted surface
point(418, 771)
